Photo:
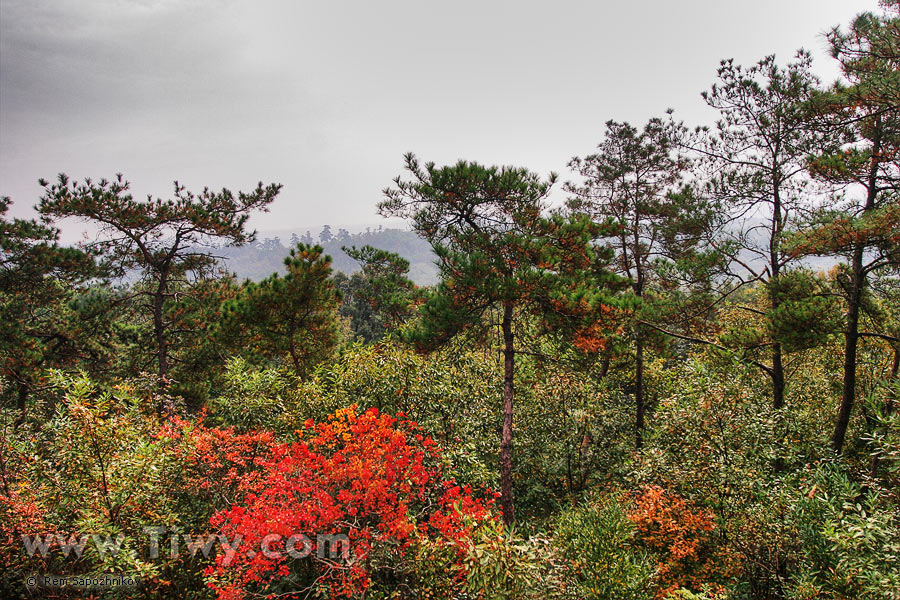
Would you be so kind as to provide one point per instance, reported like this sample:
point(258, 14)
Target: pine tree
point(501, 259)
point(634, 180)
point(167, 241)
point(757, 153)
point(862, 115)
point(381, 297)
point(293, 315)
point(325, 236)
point(38, 278)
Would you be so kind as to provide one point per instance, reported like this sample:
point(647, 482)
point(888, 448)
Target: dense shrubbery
point(725, 500)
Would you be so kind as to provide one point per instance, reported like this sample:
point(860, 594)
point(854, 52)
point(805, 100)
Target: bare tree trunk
point(777, 377)
point(159, 332)
point(507, 501)
point(639, 393)
point(162, 345)
point(775, 267)
point(778, 401)
point(292, 350)
point(851, 341)
point(639, 360)
point(604, 365)
point(21, 401)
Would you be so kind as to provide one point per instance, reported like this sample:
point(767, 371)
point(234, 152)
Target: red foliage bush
point(19, 514)
point(372, 477)
point(218, 465)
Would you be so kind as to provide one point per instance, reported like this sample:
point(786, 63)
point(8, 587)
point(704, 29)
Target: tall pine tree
point(501, 259)
point(168, 242)
point(757, 155)
point(862, 116)
point(634, 180)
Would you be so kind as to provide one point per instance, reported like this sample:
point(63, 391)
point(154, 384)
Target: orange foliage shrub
point(683, 536)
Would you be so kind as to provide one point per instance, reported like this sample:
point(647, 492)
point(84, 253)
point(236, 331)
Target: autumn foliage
point(370, 476)
point(684, 538)
point(217, 464)
point(683, 378)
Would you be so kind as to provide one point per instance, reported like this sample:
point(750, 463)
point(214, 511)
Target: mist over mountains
point(265, 256)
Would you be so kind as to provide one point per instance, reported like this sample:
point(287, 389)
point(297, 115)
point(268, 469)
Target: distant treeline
point(265, 256)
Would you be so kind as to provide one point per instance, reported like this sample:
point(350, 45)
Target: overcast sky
point(325, 97)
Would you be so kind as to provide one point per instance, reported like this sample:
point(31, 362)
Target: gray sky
point(325, 97)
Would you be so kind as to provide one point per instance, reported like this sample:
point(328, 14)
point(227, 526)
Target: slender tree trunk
point(777, 373)
point(604, 365)
point(22, 399)
point(159, 332)
point(775, 268)
point(778, 401)
point(292, 350)
point(638, 356)
point(777, 378)
point(507, 501)
point(639, 393)
point(851, 341)
point(162, 345)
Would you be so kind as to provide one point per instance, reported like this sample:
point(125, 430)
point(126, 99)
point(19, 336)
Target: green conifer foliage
point(293, 315)
point(37, 279)
point(635, 180)
point(166, 241)
point(862, 116)
point(383, 297)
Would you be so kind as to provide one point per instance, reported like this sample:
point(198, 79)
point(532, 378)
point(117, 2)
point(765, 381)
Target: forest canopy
point(652, 390)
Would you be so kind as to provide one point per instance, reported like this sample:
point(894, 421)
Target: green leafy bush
point(599, 541)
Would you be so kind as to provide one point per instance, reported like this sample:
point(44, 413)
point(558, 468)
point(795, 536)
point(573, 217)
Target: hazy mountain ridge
point(265, 256)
